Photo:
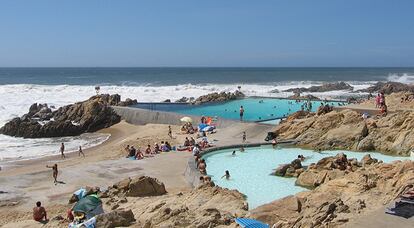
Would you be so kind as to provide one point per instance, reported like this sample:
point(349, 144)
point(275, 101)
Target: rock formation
point(339, 200)
point(388, 88)
point(297, 96)
point(218, 97)
point(70, 120)
point(348, 130)
point(137, 187)
point(202, 207)
point(322, 88)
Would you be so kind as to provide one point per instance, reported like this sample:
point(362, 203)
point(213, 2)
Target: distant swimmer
point(226, 175)
point(234, 153)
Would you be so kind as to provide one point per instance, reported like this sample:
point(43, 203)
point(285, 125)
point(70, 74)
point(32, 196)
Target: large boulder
point(70, 120)
point(389, 87)
point(322, 88)
point(137, 187)
point(218, 97)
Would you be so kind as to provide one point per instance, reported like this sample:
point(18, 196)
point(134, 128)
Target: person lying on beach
point(39, 213)
point(226, 175)
point(55, 171)
point(81, 151)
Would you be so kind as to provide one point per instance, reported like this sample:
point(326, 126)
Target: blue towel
point(250, 223)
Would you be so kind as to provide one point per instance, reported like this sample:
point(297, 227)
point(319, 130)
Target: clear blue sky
point(207, 33)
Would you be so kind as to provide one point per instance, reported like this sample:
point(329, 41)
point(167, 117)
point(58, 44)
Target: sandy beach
point(26, 182)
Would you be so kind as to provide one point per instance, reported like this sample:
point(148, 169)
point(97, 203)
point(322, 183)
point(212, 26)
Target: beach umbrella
point(250, 223)
point(186, 119)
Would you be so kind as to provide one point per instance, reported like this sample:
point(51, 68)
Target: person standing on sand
point(81, 151)
point(170, 132)
point(55, 171)
point(241, 113)
point(244, 136)
point(62, 150)
point(39, 213)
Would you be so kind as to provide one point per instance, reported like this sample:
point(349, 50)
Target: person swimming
point(226, 175)
point(234, 153)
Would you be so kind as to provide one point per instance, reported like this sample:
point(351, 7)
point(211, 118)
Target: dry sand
point(26, 182)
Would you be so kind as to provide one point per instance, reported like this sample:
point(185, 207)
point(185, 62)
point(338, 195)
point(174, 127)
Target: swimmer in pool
point(226, 175)
point(234, 153)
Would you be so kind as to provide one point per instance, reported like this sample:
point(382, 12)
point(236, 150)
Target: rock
point(202, 207)
point(167, 101)
point(70, 120)
point(182, 100)
point(367, 160)
point(340, 200)
point(322, 88)
point(289, 170)
point(218, 97)
point(137, 187)
point(297, 96)
point(388, 88)
point(145, 186)
point(115, 218)
point(346, 129)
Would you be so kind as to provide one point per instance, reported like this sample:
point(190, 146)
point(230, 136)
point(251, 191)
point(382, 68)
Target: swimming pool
point(256, 109)
point(251, 170)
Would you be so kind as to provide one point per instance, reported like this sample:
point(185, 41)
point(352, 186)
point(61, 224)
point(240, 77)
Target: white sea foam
point(403, 78)
point(16, 100)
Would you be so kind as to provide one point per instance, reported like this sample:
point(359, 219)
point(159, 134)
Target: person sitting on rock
point(132, 151)
point(39, 213)
point(156, 148)
point(192, 141)
point(202, 166)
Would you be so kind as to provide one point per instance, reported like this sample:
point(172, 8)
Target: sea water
point(251, 170)
point(21, 87)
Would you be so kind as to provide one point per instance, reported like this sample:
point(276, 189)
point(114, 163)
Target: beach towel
point(250, 223)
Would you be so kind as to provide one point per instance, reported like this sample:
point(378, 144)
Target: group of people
point(380, 103)
point(62, 151)
point(149, 151)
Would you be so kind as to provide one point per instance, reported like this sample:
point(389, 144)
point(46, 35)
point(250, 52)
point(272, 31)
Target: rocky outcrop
point(204, 206)
point(297, 96)
point(116, 218)
point(70, 120)
point(322, 88)
point(348, 130)
point(294, 169)
point(137, 187)
point(342, 199)
point(218, 97)
point(388, 88)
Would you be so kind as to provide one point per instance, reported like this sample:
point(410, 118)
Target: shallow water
point(256, 109)
point(250, 170)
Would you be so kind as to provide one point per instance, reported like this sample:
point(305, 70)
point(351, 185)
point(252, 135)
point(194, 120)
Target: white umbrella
point(186, 119)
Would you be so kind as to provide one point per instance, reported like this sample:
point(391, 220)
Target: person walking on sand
point(81, 151)
point(244, 136)
point(55, 171)
point(241, 113)
point(62, 151)
point(170, 132)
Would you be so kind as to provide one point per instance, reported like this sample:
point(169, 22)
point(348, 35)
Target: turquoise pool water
point(256, 109)
point(250, 170)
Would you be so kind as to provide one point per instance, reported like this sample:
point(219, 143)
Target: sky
point(242, 33)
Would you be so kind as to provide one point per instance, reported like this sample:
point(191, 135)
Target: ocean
point(21, 87)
